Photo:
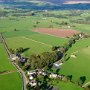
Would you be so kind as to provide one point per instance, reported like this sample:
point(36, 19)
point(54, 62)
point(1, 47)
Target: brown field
point(57, 32)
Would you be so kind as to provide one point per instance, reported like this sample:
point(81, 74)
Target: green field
point(78, 66)
point(25, 37)
point(8, 81)
point(67, 86)
point(37, 43)
point(4, 61)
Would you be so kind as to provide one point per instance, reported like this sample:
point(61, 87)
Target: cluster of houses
point(19, 57)
point(34, 73)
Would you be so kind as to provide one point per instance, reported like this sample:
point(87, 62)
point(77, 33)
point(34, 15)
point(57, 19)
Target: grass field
point(37, 43)
point(67, 86)
point(4, 61)
point(78, 66)
point(8, 81)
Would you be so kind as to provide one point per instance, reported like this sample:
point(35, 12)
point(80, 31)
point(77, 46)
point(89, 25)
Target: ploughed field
point(57, 32)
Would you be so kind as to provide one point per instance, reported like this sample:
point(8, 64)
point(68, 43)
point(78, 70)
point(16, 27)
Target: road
point(88, 83)
point(22, 74)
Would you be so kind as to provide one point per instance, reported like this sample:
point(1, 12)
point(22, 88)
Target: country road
point(22, 74)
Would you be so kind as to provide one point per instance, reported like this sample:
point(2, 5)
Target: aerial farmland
point(44, 49)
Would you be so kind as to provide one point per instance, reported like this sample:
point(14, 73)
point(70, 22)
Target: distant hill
point(47, 4)
point(52, 1)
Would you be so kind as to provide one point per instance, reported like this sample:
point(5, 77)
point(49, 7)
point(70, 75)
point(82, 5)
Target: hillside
point(45, 4)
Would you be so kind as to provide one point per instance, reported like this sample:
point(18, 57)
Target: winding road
point(22, 74)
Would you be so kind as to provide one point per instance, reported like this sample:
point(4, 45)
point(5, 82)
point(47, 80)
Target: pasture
point(68, 86)
point(5, 64)
point(78, 66)
point(9, 77)
point(37, 43)
point(11, 81)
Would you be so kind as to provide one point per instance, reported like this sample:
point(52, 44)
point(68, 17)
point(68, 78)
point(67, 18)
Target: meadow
point(78, 66)
point(68, 86)
point(8, 73)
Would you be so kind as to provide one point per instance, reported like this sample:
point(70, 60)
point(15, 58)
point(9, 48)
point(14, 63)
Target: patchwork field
point(9, 77)
point(35, 33)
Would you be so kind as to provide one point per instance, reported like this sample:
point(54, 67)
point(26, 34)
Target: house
point(22, 59)
point(31, 77)
point(73, 56)
point(60, 77)
point(33, 83)
point(52, 75)
point(44, 73)
point(31, 73)
point(58, 63)
point(13, 57)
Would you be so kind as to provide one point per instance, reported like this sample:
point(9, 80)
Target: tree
point(11, 51)
point(21, 49)
point(28, 86)
point(27, 65)
point(88, 87)
point(81, 80)
point(55, 48)
point(69, 77)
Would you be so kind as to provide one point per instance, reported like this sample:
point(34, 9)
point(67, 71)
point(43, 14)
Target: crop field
point(9, 77)
point(57, 32)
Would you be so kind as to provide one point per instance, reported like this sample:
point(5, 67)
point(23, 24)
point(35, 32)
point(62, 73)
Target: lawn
point(8, 81)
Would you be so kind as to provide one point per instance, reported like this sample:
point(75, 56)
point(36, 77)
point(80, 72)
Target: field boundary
point(7, 72)
point(37, 41)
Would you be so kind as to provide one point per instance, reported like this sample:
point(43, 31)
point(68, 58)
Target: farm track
point(88, 83)
point(7, 72)
point(22, 74)
point(38, 42)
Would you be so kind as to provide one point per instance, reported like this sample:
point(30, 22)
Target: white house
point(58, 63)
point(53, 75)
point(33, 83)
point(73, 56)
point(31, 77)
point(29, 73)
point(14, 57)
